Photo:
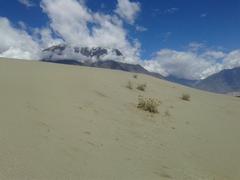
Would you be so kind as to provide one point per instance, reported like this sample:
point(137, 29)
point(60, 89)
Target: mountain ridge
point(99, 57)
point(226, 81)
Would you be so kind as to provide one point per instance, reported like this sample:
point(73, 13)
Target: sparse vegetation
point(148, 104)
point(129, 85)
point(167, 113)
point(185, 97)
point(135, 76)
point(142, 87)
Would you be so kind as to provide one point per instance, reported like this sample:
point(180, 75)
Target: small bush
point(135, 76)
point(148, 104)
point(129, 85)
point(186, 97)
point(142, 87)
point(167, 113)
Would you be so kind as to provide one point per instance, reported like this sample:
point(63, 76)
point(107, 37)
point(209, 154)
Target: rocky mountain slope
point(81, 54)
point(226, 81)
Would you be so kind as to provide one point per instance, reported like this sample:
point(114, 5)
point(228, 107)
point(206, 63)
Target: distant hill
point(226, 81)
point(181, 81)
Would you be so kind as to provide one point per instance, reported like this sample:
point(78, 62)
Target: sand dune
point(61, 122)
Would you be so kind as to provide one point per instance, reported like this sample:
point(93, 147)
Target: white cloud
point(203, 15)
point(44, 38)
point(141, 28)
point(195, 46)
point(16, 43)
point(214, 54)
point(192, 64)
point(156, 12)
point(73, 23)
point(128, 10)
point(188, 65)
point(78, 25)
point(27, 3)
point(22, 25)
point(165, 36)
point(69, 19)
point(171, 10)
point(232, 59)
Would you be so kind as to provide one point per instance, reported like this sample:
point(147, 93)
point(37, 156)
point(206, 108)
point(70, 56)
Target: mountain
point(136, 68)
point(66, 61)
point(185, 82)
point(81, 54)
point(93, 57)
point(226, 81)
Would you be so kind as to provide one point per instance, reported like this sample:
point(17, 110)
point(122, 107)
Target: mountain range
point(93, 57)
point(226, 81)
point(81, 54)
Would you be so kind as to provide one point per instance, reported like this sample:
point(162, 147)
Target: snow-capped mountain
point(81, 54)
point(99, 57)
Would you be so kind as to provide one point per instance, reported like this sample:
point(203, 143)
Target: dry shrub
point(167, 113)
point(148, 104)
point(135, 76)
point(142, 87)
point(185, 97)
point(129, 85)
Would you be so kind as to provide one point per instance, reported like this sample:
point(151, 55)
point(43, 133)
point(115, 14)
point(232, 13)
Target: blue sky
point(213, 22)
point(208, 25)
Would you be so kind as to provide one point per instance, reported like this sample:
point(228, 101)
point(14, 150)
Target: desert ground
point(60, 122)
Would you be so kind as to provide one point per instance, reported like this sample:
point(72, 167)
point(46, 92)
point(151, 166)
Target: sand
point(60, 122)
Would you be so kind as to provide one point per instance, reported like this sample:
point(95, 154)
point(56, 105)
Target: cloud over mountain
point(192, 64)
point(78, 25)
point(75, 24)
point(187, 65)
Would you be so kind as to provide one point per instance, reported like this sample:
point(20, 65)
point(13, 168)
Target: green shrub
point(186, 97)
point(148, 104)
point(142, 87)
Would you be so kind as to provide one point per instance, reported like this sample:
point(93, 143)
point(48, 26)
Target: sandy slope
point(62, 122)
